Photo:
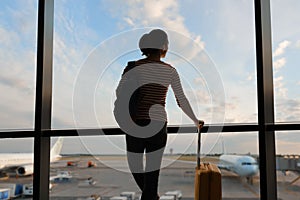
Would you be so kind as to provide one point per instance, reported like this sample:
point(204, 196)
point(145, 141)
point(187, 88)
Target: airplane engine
point(25, 170)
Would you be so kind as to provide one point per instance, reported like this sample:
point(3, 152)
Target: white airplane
point(21, 164)
point(242, 165)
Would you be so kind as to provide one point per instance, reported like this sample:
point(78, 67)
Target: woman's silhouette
point(151, 77)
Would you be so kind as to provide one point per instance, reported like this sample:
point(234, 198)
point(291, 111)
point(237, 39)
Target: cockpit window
point(248, 163)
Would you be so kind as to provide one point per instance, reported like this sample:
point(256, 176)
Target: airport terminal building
point(62, 60)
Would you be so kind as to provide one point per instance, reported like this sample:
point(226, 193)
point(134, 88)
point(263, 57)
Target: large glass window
point(74, 39)
point(18, 28)
point(94, 40)
point(288, 164)
point(226, 29)
point(286, 48)
point(212, 46)
point(90, 163)
point(16, 167)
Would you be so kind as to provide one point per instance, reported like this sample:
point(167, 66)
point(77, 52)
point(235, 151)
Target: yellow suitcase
point(208, 183)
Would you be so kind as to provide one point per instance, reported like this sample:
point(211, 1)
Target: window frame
point(266, 125)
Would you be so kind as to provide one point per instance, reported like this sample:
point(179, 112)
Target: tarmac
point(110, 176)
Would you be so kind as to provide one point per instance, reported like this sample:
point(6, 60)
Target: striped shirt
point(153, 79)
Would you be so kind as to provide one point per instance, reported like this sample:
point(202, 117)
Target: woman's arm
point(181, 99)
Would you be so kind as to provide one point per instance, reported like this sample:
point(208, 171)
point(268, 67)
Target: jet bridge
point(288, 163)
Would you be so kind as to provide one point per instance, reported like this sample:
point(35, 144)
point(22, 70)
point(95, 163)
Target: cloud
point(20, 19)
point(280, 89)
point(129, 21)
point(281, 48)
point(287, 110)
point(154, 13)
point(279, 63)
point(18, 63)
point(17, 84)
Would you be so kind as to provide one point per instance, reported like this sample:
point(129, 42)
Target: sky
point(212, 46)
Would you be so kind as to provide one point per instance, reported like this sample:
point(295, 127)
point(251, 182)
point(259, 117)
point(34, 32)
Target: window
point(286, 48)
point(215, 55)
point(226, 29)
point(287, 163)
point(16, 160)
point(93, 162)
point(18, 27)
point(86, 59)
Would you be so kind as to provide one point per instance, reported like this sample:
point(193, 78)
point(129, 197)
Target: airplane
point(242, 165)
point(21, 164)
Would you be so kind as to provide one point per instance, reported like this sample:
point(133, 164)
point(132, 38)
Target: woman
point(151, 77)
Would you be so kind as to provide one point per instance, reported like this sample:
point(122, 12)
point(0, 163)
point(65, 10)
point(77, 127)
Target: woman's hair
point(153, 42)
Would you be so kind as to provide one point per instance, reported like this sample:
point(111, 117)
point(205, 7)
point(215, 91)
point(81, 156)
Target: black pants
point(146, 179)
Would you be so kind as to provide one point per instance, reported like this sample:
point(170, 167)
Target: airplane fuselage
point(245, 166)
point(22, 163)
point(15, 159)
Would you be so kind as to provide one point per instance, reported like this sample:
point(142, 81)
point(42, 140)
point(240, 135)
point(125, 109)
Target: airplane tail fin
point(56, 149)
point(223, 144)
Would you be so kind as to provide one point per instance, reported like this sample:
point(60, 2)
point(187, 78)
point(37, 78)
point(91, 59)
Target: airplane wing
point(225, 167)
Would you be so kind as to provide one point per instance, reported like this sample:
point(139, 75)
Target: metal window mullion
point(265, 95)
point(43, 99)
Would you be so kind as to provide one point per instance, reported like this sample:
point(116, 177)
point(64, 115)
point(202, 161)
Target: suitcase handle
point(199, 143)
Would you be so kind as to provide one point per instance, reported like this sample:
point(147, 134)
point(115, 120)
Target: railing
point(184, 129)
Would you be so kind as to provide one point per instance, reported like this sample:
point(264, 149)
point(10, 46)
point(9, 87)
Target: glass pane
point(18, 28)
point(228, 33)
point(240, 151)
point(286, 49)
point(288, 164)
point(98, 165)
point(214, 55)
point(16, 167)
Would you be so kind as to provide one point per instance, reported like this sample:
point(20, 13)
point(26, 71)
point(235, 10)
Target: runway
point(110, 177)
